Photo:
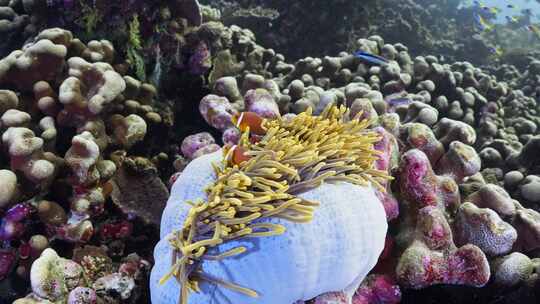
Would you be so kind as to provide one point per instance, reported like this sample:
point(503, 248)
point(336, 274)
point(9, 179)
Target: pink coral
point(433, 258)
point(387, 162)
point(420, 186)
point(377, 289)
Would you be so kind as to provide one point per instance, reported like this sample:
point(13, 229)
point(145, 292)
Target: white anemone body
point(333, 252)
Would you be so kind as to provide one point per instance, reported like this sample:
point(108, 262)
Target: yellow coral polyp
point(294, 156)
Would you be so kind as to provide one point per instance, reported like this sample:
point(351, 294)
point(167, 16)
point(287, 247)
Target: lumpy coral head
point(333, 252)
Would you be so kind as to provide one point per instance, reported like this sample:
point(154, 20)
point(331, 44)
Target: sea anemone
point(295, 155)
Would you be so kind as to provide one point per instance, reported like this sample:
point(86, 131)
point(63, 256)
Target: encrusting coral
point(294, 156)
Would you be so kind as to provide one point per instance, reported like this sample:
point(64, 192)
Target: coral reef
point(96, 118)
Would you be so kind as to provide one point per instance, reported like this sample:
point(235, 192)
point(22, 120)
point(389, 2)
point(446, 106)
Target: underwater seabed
point(153, 149)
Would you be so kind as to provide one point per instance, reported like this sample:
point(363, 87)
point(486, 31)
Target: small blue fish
point(370, 58)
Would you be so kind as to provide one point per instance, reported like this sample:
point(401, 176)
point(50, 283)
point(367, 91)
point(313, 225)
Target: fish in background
point(512, 19)
point(494, 10)
point(495, 51)
point(481, 23)
point(370, 58)
point(534, 29)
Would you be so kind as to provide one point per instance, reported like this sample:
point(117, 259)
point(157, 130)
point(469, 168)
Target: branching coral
point(294, 156)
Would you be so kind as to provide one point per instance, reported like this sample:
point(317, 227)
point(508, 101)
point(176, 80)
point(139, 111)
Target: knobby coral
point(296, 154)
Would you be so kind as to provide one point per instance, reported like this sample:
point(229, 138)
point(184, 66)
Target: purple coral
point(12, 225)
point(200, 62)
point(217, 111)
point(231, 136)
point(196, 142)
point(261, 102)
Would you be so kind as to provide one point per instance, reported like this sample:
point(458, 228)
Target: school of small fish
point(483, 17)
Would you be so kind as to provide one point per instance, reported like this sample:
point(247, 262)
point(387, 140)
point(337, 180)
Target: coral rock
point(82, 156)
point(129, 130)
point(52, 277)
point(142, 195)
point(8, 187)
point(114, 284)
point(217, 111)
point(511, 269)
point(193, 143)
point(448, 130)
point(460, 161)
point(261, 102)
point(82, 295)
point(26, 154)
point(42, 60)
point(484, 228)
point(494, 197)
point(90, 87)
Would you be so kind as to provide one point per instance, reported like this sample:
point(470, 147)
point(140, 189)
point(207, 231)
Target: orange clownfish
point(249, 119)
point(235, 155)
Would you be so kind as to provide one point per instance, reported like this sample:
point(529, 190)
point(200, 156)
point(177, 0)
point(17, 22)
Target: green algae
point(134, 47)
point(90, 17)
